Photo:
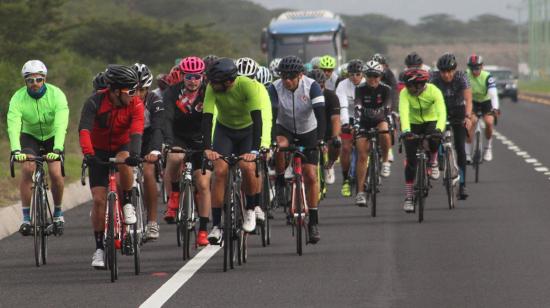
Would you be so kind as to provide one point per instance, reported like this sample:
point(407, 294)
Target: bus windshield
point(304, 46)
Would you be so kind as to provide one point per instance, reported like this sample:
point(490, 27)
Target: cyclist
point(37, 120)
point(238, 131)
point(412, 61)
point(374, 99)
point(315, 62)
point(327, 63)
point(151, 145)
point(458, 98)
point(485, 99)
point(422, 111)
point(332, 118)
point(298, 106)
point(346, 95)
point(184, 113)
point(162, 84)
point(111, 125)
point(389, 78)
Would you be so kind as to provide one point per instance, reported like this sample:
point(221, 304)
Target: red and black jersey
point(183, 113)
point(106, 127)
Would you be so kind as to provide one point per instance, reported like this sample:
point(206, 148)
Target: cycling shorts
point(33, 146)
point(307, 140)
point(485, 107)
point(229, 141)
point(99, 174)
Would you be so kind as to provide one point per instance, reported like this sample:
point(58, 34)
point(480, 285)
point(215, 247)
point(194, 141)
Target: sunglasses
point(328, 70)
point(416, 84)
point(370, 75)
point(356, 74)
point(129, 92)
point(192, 76)
point(289, 76)
point(31, 80)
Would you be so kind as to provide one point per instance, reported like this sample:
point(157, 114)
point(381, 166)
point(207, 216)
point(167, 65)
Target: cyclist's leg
point(29, 146)
point(410, 166)
point(312, 193)
point(362, 147)
point(222, 144)
point(251, 184)
point(99, 181)
point(385, 140)
point(150, 192)
point(345, 155)
point(283, 138)
point(126, 181)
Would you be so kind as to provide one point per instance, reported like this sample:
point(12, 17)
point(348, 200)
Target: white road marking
point(541, 169)
point(170, 287)
point(531, 160)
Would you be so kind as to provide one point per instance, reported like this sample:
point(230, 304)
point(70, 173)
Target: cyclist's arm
point(332, 102)
point(266, 115)
point(274, 97)
point(344, 105)
point(14, 124)
point(440, 109)
point(86, 126)
point(208, 117)
point(136, 127)
point(156, 112)
point(404, 111)
point(318, 102)
point(169, 102)
point(492, 91)
point(256, 116)
point(467, 95)
point(254, 103)
point(61, 121)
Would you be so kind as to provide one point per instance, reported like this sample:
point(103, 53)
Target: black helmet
point(446, 62)
point(413, 59)
point(209, 60)
point(290, 64)
point(379, 58)
point(222, 70)
point(99, 82)
point(121, 76)
point(317, 75)
point(355, 66)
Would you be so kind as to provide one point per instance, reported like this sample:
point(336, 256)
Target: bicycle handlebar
point(42, 159)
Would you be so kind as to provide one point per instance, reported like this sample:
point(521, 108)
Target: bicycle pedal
point(49, 230)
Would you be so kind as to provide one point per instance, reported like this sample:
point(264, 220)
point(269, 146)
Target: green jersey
point(429, 106)
point(41, 118)
point(234, 105)
point(481, 85)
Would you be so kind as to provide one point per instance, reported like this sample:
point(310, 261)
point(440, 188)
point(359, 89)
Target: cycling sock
point(257, 198)
point(27, 214)
point(409, 189)
point(280, 180)
point(126, 197)
point(250, 202)
point(203, 223)
point(345, 175)
point(313, 216)
point(99, 240)
point(175, 186)
point(58, 211)
point(490, 143)
point(468, 148)
point(216, 216)
point(462, 176)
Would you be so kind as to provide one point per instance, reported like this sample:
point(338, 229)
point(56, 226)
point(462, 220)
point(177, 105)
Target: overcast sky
point(409, 10)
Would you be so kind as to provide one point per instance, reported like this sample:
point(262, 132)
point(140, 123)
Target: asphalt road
point(491, 251)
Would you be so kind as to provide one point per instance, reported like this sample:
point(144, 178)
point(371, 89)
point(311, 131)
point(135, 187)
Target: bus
point(305, 34)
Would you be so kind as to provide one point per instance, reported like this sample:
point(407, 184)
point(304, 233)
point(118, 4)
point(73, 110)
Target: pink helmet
point(192, 65)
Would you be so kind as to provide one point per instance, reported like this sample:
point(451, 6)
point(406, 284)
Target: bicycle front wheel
point(298, 210)
point(373, 180)
point(36, 222)
point(477, 155)
point(110, 242)
point(449, 185)
point(421, 186)
point(185, 223)
point(44, 209)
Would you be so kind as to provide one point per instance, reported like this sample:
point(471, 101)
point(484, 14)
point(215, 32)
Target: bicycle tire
point(135, 228)
point(297, 195)
point(266, 207)
point(186, 228)
point(180, 221)
point(35, 223)
point(142, 218)
point(373, 179)
point(110, 242)
point(421, 188)
point(477, 155)
point(449, 180)
point(227, 236)
point(43, 233)
point(238, 232)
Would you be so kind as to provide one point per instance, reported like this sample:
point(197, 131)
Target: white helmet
point(274, 66)
point(144, 75)
point(315, 61)
point(34, 67)
point(246, 67)
point(264, 75)
point(373, 67)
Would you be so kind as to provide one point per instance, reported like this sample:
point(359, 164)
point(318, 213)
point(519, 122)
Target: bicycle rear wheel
point(36, 223)
point(110, 242)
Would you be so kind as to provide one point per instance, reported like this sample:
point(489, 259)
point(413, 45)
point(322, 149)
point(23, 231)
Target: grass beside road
point(535, 86)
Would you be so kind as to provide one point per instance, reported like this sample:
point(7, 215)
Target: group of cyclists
point(215, 107)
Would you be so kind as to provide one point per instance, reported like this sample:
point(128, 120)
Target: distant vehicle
point(305, 34)
point(507, 82)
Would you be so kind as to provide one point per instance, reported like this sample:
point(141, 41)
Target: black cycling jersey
point(374, 101)
point(183, 113)
point(453, 92)
point(153, 123)
point(332, 107)
point(389, 78)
